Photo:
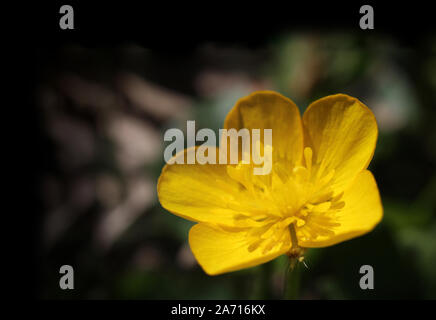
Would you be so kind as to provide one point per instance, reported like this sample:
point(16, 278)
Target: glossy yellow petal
point(342, 133)
point(270, 110)
point(219, 251)
point(206, 193)
point(361, 212)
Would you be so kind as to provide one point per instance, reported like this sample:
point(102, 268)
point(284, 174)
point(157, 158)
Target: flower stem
point(292, 277)
point(292, 280)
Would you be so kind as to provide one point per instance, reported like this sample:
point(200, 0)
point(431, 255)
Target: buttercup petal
point(342, 133)
point(219, 251)
point(270, 110)
point(362, 212)
point(206, 193)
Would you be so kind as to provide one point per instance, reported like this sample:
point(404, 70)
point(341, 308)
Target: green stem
point(292, 277)
point(292, 280)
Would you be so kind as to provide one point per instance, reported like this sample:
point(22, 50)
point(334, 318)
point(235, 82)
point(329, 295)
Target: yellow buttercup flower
point(317, 194)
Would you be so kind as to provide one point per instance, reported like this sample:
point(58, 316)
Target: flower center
point(300, 195)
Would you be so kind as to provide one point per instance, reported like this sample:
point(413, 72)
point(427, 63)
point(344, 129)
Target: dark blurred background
point(102, 113)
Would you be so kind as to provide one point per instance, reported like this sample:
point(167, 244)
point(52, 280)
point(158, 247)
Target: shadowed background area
point(102, 115)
